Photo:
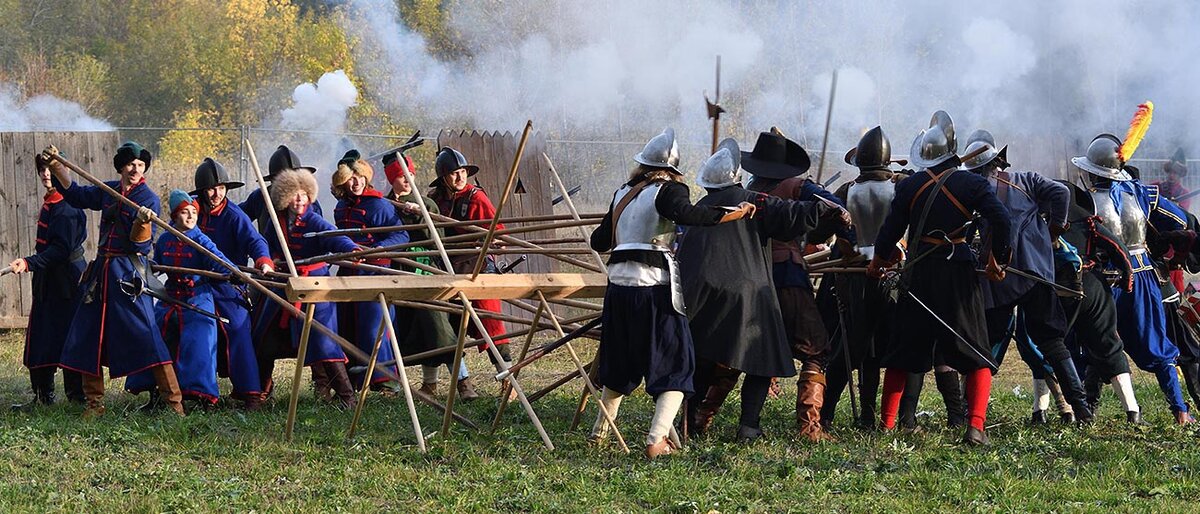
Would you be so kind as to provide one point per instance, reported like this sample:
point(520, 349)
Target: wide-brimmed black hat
point(775, 157)
point(284, 159)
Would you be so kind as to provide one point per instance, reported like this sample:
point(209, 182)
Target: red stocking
point(979, 389)
point(893, 388)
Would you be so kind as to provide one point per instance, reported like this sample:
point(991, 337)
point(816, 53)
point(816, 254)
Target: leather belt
point(939, 242)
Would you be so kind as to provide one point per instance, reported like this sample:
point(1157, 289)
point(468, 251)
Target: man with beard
point(234, 234)
point(1027, 196)
point(940, 315)
point(733, 312)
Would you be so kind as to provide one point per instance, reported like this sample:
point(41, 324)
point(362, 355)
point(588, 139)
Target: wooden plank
point(10, 289)
point(445, 287)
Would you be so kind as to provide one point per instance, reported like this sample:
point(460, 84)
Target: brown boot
point(93, 392)
point(710, 403)
point(466, 390)
point(810, 395)
point(340, 381)
point(168, 388)
point(664, 446)
point(253, 402)
point(429, 388)
point(320, 382)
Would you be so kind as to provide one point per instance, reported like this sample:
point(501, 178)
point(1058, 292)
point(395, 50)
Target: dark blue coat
point(56, 265)
point(1027, 196)
point(111, 328)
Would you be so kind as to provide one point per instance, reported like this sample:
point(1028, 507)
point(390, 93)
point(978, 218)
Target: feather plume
point(1137, 130)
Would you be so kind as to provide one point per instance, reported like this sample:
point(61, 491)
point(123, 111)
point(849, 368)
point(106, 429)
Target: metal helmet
point(935, 144)
point(874, 151)
point(981, 135)
point(723, 168)
point(448, 160)
point(285, 159)
point(211, 173)
point(1103, 159)
point(662, 151)
point(984, 157)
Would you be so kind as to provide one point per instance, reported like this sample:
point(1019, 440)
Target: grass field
point(228, 461)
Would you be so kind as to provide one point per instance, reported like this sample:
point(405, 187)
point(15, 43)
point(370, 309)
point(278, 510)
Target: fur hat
point(130, 151)
point(180, 199)
point(288, 182)
point(350, 164)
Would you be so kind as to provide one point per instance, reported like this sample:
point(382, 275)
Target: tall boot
point(1191, 377)
point(93, 391)
point(73, 386)
point(908, 401)
point(340, 381)
point(320, 382)
point(810, 394)
point(723, 381)
point(41, 381)
point(868, 392)
point(949, 384)
point(835, 383)
point(168, 388)
point(1072, 389)
point(1091, 387)
point(1066, 413)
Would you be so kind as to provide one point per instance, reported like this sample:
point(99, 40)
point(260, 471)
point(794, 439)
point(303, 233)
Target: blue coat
point(190, 336)
point(320, 347)
point(235, 235)
point(56, 265)
point(255, 208)
point(111, 328)
point(1027, 196)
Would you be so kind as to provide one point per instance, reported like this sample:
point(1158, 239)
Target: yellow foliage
point(183, 147)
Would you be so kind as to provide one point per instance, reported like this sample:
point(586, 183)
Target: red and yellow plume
point(1137, 130)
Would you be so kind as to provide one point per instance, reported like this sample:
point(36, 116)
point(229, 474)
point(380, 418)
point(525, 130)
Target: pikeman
point(256, 207)
point(56, 264)
point(235, 235)
point(734, 313)
point(421, 330)
point(190, 334)
point(111, 327)
point(463, 201)
point(1027, 196)
point(939, 317)
point(646, 332)
point(277, 332)
point(868, 306)
point(1130, 208)
point(360, 205)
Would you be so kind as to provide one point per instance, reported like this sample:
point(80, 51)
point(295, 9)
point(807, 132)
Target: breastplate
point(1129, 224)
point(640, 227)
point(869, 203)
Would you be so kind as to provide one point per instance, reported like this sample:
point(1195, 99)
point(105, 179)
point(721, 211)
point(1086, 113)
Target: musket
point(1040, 280)
point(6, 270)
point(715, 109)
point(507, 267)
point(1185, 196)
point(138, 287)
point(558, 199)
point(412, 142)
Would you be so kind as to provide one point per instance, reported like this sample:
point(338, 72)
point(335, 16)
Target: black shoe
point(1135, 417)
point(155, 404)
point(976, 437)
point(1038, 418)
point(747, 434)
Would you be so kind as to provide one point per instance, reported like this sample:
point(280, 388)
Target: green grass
point(229, 461)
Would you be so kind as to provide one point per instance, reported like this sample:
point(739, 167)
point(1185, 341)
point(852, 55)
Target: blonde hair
point(343, 173)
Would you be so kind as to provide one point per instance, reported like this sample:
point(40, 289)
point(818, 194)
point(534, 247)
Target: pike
point(715, 109)
point(547, 348)
point(6, 270)
point(828, 119)
point(558, 199)
point(137, 287)
point(412, 142)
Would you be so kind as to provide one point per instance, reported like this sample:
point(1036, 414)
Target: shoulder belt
point(620, 206)
point(939, 181)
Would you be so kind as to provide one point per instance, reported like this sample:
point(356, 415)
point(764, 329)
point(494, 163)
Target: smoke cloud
point(43, 113)
point(312, 124)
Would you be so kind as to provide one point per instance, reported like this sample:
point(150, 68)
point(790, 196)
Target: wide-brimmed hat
point(776, 157)
point(284, 159)
point(1103, 159)
point(211, 173)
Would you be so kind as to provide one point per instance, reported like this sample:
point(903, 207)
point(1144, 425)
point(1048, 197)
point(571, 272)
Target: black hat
point(211, 173)
point(448, 160)
point(284, 159)
point(129, 152)
point(775, 157)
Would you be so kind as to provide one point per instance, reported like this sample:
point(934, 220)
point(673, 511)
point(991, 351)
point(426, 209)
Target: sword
point(988, 359)
point(506, 267)
point(412, 142)
point(138, 287)
point(832, 180)
point(1040, 280)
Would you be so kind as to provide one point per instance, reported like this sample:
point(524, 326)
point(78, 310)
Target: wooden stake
point(458, 354)
point(504, 387)
point(574, 213)
point(408, 398)
point(512, 178)
point(271, 212)
point(362, 395)
point(294, 401)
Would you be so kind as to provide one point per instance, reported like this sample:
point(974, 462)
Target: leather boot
point(907, 416)
point(1091, 387)
point(339, 379)
point(466, 390)
point(1038, 418)
point(976, 437)
point(429, 388)
point(168, 388)
point(41, 381)
point(320, 382)
point(707, 406)
point(93, 391)
point(663, 447)
point(253, 402)
point(747, 435)
point(949, 384)
point(73, 386)
point(1072, 389)
point(153, 403)
point(810, 394)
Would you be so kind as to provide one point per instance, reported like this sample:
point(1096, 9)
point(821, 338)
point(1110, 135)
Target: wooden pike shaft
point(407, 388)
point(271, 212)
point(504, 387)
point(828, 121)
point(458, 353)
point(574, 213)
point(492, 251)
point(294, 400)
point(189, 271)
point(425, 217)
point(508, 187)
point(451, 224)
point(362, 395)
point(537, 395)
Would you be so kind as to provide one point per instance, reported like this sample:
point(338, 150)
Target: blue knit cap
point(180, 198)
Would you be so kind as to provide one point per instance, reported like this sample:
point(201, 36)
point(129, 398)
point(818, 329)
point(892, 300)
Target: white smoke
point(43, 113)
point(311, 127)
